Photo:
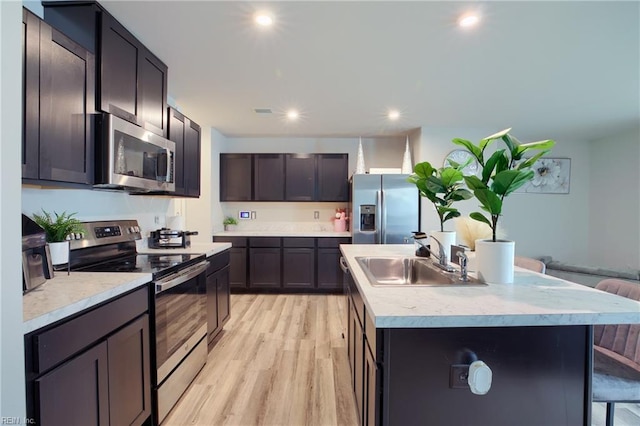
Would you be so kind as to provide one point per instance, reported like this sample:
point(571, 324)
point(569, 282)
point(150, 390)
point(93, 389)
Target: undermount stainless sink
point(409, 271)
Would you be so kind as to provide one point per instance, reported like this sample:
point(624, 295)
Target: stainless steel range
point(178, 304)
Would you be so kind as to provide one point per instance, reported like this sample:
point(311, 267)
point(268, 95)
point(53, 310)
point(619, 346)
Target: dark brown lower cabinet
point(299, 265)
point(371, 390)
point(218, 294)
point(329, 272)
point(77, 392)
point(238, 267)
point(264, 267)
point(93, 369)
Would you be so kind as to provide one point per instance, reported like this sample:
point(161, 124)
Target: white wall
point(614, 207)
point(541, 224)
point(12, 389)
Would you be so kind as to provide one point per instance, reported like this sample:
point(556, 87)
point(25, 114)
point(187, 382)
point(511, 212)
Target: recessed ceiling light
point(292, 114)
point(468, 20)
point(263, 19)
point(393, 114)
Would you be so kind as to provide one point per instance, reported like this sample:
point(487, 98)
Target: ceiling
point(547, 69)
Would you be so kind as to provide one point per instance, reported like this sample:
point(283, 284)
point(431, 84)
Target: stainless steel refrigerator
point(385, 209)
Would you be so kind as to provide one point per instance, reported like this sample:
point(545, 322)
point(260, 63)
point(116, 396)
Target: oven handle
point(180, 277)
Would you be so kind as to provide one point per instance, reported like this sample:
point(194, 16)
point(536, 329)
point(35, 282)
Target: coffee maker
point(36, 260)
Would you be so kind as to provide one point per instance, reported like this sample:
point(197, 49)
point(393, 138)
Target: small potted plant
point(230, 223)
point(442, 187)
point(502, 173)
point(57, 229)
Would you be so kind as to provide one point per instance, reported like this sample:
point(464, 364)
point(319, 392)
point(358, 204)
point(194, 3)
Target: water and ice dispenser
point(368, 217)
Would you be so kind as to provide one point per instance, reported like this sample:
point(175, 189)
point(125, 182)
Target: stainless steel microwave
point(132, 158)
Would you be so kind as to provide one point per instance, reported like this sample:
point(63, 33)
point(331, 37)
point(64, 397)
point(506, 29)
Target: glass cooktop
point(156, 264)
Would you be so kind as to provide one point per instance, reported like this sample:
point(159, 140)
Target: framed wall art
point(552, 176)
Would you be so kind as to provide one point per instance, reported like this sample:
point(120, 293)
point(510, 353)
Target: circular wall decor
point(461, 156)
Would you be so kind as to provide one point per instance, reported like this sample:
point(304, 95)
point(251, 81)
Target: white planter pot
point(446, 238)
point(494, 261)
point(230, 227)
point(59, 253)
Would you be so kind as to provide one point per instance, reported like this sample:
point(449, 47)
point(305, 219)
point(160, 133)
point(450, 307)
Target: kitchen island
point(410, 347)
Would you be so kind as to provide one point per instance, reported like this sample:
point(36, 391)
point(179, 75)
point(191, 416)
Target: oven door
point(180, 317)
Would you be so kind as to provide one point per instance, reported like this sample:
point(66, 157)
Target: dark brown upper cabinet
point(236, 177)
point(131, 80)
point(300, 177)
point(58, 93)
point(186, 134)
point(333, 177)
point(268, 177)
point(284, 177)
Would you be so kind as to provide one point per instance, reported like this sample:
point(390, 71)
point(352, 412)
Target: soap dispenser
point(420, 239)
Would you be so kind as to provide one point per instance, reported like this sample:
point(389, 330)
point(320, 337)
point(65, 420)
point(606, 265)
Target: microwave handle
point(168, 177)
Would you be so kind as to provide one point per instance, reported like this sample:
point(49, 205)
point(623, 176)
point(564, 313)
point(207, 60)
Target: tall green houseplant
point(442, 187)
point(502, 173)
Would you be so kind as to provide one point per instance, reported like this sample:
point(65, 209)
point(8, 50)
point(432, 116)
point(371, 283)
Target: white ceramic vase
point(446, 238)
point(494, 261)
point(59, 253)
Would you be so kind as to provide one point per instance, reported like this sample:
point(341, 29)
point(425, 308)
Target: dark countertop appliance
point(169, 238)
point(178, 311)
point(36, 260)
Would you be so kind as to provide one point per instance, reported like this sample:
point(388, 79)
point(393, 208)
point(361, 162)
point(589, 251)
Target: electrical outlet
point(316, 214)
point(156, 219)
point(458, 376)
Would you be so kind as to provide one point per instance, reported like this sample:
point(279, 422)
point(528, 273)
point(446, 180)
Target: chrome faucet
point(443, 260)
point(462, 260)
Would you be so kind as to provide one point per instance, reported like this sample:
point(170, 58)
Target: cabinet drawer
point(356, 300)
point(235, 241)
point(298, 242)
point(264, 242)
point(53, 346)
point(332, 242)
point(217, 262)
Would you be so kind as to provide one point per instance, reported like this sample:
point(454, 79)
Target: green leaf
point(480, 218)
point(460, 194)
point(504, 183)
point(450, 176)
point(489, 200)
point(434, 184)
point(497, 135)
point(474, 150)
point(487, 170)
point(544, 145)
point(451, 215)
point(531, 161)
point(424, 169)
point(512, 144)
point(474, 183)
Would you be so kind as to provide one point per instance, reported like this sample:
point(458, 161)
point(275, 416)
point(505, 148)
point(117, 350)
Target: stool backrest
point(531, 264)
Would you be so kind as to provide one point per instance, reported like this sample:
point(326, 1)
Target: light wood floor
point(282, 361)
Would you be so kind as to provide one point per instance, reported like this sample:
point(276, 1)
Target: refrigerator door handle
point(380, 215)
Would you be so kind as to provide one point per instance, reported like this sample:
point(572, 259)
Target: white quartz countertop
point(65, 295)
point(276, 233)
point(532, 300)
point(208, 249)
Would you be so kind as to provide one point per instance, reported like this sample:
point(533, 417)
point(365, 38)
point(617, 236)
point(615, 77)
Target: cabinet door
point(129, 374)
point(329, 272)
point(264, 267)
point(176, 134)
point(224, 298)
point(238, 267)
point(212, 306)
point(300, 177)
point(152, 92)
point(371, 398)
point(120, 57)
point(268, 178)
point(77, 392)
point(333, 177)
point(66, 99)
point(236, 177)
point(358, 366)
point(31, 91)
point(192, 159)
point(298, 268)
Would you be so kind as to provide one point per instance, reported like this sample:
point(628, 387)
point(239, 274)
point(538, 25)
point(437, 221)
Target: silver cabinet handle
point(343, 265)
